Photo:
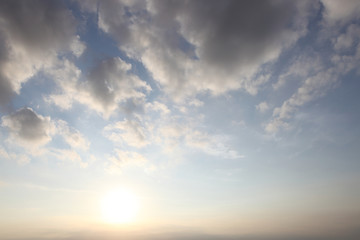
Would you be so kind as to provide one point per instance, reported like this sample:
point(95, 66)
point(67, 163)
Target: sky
point(201, 119)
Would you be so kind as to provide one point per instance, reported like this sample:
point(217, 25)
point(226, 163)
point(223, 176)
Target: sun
point(119, 206)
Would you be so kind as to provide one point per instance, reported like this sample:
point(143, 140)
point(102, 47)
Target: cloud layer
point(194, 47)
point(32, 34)
point(190, 51)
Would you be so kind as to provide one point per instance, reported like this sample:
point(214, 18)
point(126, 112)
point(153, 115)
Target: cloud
point(314, 72)
point(129, 131)
point(32, 33)
point(313, 88)
point(123, 159)
point(196, 103)
point(347, 40)
point(340, 12)
point(211, 145)
point(66, 155)
point(157, 107)
point(109, 84)
point(174, 135)
point(171, 133)
point(198, 46)
point(72, 136)
point(67, 76)
point(34, 132)
point(301, 66)
point(77, 47)
point(21, 159)
point(29, 128)
point(262, 107)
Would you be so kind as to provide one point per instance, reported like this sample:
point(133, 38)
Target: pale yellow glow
point(119, 206)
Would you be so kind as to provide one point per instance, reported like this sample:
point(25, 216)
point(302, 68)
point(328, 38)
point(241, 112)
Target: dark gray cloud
point(31, 35)
point(234, 33)
point(27, 127)
point(6, 90)
point(110, 83)
point(195, 46)
point(37, 25)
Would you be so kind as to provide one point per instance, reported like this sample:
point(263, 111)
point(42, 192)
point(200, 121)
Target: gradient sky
point(226, 119)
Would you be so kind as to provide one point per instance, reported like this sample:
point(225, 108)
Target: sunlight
point(119, 206)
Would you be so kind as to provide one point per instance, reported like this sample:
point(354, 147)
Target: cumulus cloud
point(33, 132)
point(196, 46)
point(109, 84)
point(32, 33)
point(66, 75)
point(29, 128)
point(157, 107)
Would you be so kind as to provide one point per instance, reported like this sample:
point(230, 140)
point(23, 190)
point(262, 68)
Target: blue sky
point(225, 119)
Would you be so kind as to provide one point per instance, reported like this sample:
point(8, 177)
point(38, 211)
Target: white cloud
point(315, 74)
point(176, 135)
point(21, 159)
point(212, 145)
point(68, 155)
point(66, 75)
point(347, 39)
point(169, 135)
point(262, 107)
point(3, 153)
point(302, 66)
point(157, 107)
point(123, 159)
point(196, 103)
point(129, 131)
point(72, 136)
point(340, 12)
point(61, 100)
point(313, 88)
point(77, 47)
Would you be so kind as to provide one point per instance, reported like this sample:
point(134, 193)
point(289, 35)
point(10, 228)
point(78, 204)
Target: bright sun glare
point(119, 206)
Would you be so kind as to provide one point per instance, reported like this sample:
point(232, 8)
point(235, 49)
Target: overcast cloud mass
point(230, 119)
